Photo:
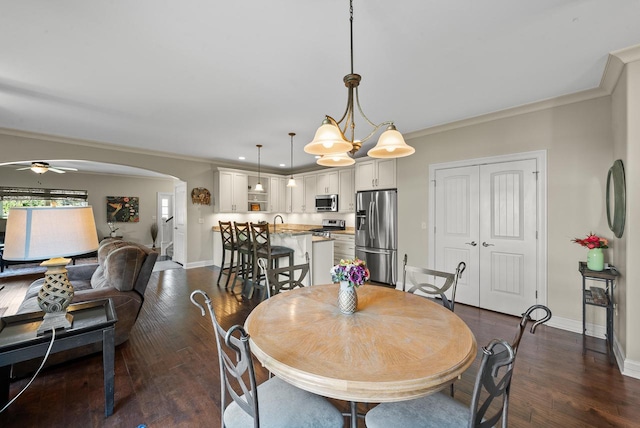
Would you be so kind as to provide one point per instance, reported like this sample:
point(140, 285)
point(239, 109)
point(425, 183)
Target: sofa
point(122, 272)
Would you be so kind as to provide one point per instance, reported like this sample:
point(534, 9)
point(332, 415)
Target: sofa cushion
point(120, 268)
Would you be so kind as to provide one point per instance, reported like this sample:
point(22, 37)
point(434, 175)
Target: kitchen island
point(319, 251)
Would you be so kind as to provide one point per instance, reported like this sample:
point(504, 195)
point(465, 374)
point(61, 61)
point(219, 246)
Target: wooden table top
point(397, 346)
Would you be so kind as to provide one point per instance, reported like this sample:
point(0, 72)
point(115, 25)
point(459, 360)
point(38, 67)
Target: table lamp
point(51, 233)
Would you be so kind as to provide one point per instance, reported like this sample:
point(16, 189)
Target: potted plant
point(595, 244)
point(350, 274)
point(154, 233)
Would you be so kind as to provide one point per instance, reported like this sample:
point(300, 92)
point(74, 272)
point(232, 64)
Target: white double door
point(486, 216)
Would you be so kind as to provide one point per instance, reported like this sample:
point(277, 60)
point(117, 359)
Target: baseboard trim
point(574, 326)
point(201, 263)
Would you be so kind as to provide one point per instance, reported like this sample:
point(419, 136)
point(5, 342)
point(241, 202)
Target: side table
point(596, 296)
point(92, 322)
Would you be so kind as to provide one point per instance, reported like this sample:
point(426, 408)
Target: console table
point(92, 322)
point(600, 297)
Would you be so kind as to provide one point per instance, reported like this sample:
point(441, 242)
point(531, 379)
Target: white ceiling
point(212, 79)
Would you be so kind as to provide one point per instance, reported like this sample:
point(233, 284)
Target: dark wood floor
point(167, 373)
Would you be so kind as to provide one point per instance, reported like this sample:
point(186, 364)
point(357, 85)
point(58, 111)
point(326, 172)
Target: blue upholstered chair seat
point(284, 406)
point(444, 412)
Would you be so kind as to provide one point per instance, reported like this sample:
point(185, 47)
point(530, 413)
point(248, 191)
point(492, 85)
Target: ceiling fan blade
point(66, 168)
point(23, 169)
point(59, 171)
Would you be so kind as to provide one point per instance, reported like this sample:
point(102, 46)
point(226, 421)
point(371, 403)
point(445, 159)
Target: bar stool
point(244, 244)
point(262, 248)
point(228, 244)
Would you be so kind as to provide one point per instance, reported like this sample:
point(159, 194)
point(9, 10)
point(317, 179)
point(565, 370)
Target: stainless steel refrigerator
point(377, 233)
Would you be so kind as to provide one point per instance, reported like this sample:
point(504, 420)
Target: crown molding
point(513, 111)
point(612, 72)
point(98, 145)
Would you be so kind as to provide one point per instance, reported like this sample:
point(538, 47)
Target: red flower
point(592, 241)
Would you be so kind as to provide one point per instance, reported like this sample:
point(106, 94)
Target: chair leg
point(224, 252)
point(229, 269)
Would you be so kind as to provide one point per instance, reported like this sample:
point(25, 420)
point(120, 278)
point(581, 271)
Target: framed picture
point(123, 209)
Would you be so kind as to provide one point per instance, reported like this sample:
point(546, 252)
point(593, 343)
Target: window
point(33, 197)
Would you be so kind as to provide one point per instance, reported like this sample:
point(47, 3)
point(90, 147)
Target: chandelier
point(335, 140)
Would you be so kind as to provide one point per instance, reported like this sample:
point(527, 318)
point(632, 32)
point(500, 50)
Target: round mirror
point(616, 204)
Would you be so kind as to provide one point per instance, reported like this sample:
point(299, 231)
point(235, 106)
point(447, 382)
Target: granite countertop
point(299, 229)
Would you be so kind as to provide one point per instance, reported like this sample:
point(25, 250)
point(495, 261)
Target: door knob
point(472, 243)
point(484, 244)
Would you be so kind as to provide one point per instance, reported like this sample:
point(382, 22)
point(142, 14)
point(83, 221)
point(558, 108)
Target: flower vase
point(595, 259)
point(347, 298)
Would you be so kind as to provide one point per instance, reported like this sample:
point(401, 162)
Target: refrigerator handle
point(371, 220)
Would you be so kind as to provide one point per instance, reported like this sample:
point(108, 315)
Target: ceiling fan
point(42, 167)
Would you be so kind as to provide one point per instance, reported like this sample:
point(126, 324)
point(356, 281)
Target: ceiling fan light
point(39, 169)
point(334, 160)
point(391, 145)
point(328, 140)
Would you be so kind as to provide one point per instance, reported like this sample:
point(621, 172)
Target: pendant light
point(331, 139)
point(259, 187)
point(292, 181)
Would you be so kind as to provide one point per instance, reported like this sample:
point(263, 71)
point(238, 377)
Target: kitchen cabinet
point(277, 195)
point(344, 247)
point(346, 191)
point(375, 174)
point(303, 196)
point(327, 183)
point(230, 192)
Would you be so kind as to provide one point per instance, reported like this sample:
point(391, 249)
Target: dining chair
point(492, 385)
point(228, 245)
point(415, 278)
point(282, 279)
point(262, 248)
point(272, 404)
point(244, 244)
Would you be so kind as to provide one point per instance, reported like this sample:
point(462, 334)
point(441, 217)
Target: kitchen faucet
point(274, 221)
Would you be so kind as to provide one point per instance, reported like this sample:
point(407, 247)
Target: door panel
point(456, 233)
point(508, 236)
point(486, 217)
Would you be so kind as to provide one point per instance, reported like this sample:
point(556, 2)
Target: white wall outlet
point(424, 225)
point(201, 220)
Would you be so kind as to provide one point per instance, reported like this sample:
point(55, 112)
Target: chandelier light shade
point(328, 140)
point(51, 233)
point(259, 187)
point(292, 181)
point(391, 145)
point(335, 140)
point(339, 159)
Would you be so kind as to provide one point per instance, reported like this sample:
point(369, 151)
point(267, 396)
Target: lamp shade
point(44, 233)
point(340, 159)
point(328, 140)
point(391, 145)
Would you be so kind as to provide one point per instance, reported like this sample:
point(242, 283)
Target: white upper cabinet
point(327, 183)
point(375, 174)
point(347, 193)
point(277, 195)
point(230, 190)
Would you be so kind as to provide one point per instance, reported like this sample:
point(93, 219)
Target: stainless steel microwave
point(326, 203)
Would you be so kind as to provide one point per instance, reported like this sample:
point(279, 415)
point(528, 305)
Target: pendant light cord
point(351, 30)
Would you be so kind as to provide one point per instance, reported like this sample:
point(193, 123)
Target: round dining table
point(396, 346)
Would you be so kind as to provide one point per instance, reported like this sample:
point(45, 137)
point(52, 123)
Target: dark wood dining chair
point(490, 399)
point(262, 248)
point(273, 403)
point(227, 234)
point(244, 244)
